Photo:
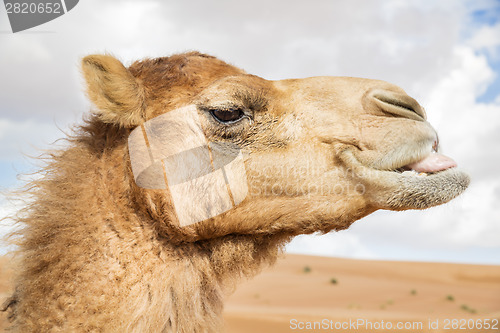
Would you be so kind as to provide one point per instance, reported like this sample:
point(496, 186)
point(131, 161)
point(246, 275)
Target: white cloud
point(7, 226)
point(25, 137)
point(487, 38)
point(468, 78)
point(342, 244)
point(468, 129)
point(477, 220)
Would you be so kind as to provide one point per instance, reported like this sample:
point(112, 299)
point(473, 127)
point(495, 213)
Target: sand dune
point(362, 296)
point(333, 291)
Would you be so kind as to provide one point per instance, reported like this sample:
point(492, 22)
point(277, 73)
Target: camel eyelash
point(254, 100)
point(228, 115)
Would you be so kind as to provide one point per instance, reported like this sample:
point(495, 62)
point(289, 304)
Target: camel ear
point(118, 96)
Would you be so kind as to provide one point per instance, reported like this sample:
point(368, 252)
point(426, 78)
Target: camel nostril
point(398, 104)
point(435, 146)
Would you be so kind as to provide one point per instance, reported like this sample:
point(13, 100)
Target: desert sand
point(336, 292)
point(345, 295)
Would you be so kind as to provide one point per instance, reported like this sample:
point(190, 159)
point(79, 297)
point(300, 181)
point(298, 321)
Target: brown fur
point(101, 254)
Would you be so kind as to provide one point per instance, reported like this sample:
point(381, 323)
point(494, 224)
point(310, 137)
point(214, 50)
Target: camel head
point(314, 154)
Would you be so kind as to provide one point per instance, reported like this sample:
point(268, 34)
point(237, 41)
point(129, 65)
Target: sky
point(444, 53)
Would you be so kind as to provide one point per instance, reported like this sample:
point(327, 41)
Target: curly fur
point(91, 262)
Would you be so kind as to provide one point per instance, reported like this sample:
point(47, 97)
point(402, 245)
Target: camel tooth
point(414, 173)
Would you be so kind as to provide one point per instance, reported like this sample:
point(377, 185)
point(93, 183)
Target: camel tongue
point(432, 163)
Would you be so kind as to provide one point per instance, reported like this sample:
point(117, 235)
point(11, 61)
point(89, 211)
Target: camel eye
point(227, 116)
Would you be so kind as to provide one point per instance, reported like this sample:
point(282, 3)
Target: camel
point(99, 253)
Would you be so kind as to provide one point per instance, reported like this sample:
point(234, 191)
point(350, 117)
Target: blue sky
point(444, 53)
point(489, 17)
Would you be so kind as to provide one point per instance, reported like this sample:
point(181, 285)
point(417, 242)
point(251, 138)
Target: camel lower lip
point(416, 191)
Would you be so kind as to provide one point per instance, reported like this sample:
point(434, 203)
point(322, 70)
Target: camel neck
point(96, 262)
